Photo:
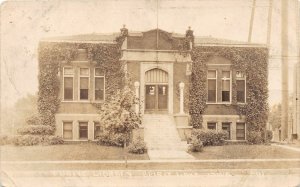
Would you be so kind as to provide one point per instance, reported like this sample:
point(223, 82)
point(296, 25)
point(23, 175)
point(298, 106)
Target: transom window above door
point(156, 75)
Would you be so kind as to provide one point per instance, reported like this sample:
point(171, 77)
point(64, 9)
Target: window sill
point(218, 103)
point(82, 101)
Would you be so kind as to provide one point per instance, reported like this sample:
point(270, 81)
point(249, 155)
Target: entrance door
point(156, 97)
point(156, 90)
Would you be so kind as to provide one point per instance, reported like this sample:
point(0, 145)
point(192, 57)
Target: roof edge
point(77, 41)
point(230, 45)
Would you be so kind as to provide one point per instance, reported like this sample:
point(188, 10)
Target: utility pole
point(269, 23)
point(284, 69)
point(251, 21)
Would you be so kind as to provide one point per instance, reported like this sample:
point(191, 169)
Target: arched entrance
point(156, 90)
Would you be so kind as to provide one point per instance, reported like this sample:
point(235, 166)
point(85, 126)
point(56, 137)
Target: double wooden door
point(156, 97)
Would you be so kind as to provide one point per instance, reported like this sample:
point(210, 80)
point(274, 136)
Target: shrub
point(113, 139)
point(28, 140)
point(269, 136)
point(54, 140)
point(5, 140)
point(137, 146)
point(255, 137)
point(210, 137)
point(36, 130)
point(33, 120)
point(196, 145)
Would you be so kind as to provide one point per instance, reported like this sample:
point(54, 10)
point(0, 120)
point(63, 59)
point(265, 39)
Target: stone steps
point(162, 138)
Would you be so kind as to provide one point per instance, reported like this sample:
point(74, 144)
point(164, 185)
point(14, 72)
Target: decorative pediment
point(155, 39)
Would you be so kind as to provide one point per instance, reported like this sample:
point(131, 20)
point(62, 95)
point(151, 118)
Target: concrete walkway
point(287, 147)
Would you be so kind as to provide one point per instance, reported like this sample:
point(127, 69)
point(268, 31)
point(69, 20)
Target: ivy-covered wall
point(51, 57)
point(251, 60)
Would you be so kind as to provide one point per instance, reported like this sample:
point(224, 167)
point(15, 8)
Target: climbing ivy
point(51, 57)
point(251, 60)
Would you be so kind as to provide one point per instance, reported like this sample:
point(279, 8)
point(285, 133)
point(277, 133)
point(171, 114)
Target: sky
point(24, 23)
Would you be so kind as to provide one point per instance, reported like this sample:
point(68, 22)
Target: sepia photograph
point(150, 93)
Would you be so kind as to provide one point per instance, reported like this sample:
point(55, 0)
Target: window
point(226, 127)
point(212, 86)
point(97, 130)
point(84, 83)
point(240, 131)
point(83, 130)
point(241, 87)
point(99, 84)
point(67, 130)
point(212, 126)
point(81, 55)
point(226, 85)
point(68, 83)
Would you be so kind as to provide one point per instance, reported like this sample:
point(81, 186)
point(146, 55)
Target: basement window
point(83, 130)
point(67, 130)
point(97, 130)
point(226, 127)
point(240, 131)
point(212, 125)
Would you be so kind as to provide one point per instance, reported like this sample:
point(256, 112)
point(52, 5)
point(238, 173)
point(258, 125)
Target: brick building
point(161, 74)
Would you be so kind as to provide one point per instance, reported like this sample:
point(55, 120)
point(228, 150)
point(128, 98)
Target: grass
point(91, 151)
point(80, 151)
point(245, 152)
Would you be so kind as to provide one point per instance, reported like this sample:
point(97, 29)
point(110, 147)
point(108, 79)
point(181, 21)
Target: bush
point(269, 136)
point(113, 139)
point(196, 145)
point(255, 137)
point(137, 146)
point(33, 120)
point(54, 140)
point(36, 130)
point(5, 140)
point(210, 137)
point(28, 140)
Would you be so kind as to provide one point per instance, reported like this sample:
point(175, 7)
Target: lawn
point(245, 152)
point(92, 151)
point(80, 151)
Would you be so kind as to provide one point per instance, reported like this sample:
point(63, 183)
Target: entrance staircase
point(162, 138)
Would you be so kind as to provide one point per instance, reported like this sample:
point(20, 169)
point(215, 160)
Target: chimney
point(189, 33)
point(124, 31)
point(190, 36)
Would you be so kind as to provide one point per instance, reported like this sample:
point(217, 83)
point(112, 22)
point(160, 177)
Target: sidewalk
point(152, 161)
point(159, 178)
point(149, 173)
point(152, 164)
